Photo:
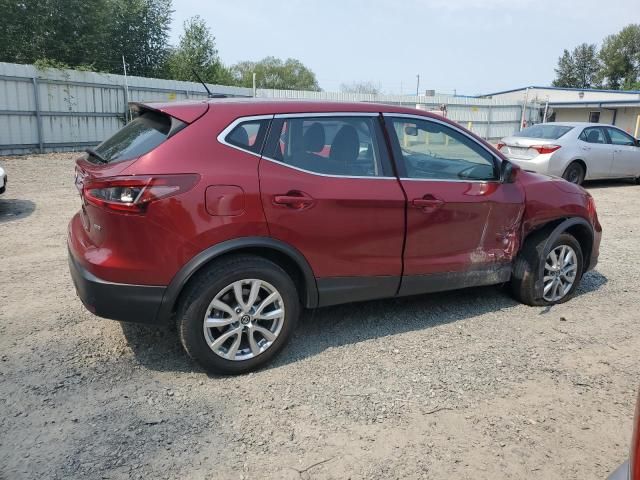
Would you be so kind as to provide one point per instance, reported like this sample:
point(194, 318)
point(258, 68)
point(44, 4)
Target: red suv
point(228, 216)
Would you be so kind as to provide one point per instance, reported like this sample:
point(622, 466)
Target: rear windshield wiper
point(96, 155)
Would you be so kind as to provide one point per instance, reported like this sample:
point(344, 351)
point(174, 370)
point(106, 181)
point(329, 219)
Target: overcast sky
point(472, 46)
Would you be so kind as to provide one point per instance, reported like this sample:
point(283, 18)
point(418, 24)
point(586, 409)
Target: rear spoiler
point(187, 112)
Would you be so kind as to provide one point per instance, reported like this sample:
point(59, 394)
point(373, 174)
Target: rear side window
point(248, 135)
point(547, 131)
point(340, 146)
point(593, 135)
point(138, 137)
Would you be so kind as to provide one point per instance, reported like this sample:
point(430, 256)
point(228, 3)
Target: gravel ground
point(465, 384)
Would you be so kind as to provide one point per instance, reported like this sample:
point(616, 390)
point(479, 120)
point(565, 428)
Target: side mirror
point(508, 172)
point(411, 131)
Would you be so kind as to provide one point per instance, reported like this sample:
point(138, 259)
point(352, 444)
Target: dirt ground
point(466, 384)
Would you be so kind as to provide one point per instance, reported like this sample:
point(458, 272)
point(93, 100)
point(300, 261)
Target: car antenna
point(209, 94)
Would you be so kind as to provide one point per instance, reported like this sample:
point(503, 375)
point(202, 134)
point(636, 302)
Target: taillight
point(634, 458)
point(547, 148)
point(591, 206)
point(132, 194)
point(500, 145)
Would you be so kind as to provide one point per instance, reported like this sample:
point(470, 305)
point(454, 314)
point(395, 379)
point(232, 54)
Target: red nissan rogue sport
point(229, 216)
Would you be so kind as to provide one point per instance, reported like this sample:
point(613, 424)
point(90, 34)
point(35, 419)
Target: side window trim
point(222, 137)
point(398, 158)
point(273, 139)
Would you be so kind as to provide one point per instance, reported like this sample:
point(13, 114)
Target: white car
point(3, 180)
point(575, 151)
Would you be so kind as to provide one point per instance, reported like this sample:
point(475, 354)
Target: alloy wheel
point(244, 319)
point(560, 270)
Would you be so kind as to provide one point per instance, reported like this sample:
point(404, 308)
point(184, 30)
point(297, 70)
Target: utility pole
point(418, 85)
point(254, 85)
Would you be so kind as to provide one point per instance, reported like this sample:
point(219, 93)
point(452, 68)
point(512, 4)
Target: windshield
point(138, 137)
point(547, 131)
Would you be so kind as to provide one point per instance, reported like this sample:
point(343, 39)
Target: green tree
point(87, 33)
point(359, 87)
point(139, 30)
point(271, 72)
point(620, 56)
point(565, 71)
point(197, 51)
point(66, 31)
point(579, 68)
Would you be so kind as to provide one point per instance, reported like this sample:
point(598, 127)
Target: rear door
point(596, 152)
point(626, 154)
point(328, 190)
point(461, 221)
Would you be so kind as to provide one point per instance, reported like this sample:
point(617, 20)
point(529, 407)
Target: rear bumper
point(538, 164)
point(116, 301)
point(621, 473)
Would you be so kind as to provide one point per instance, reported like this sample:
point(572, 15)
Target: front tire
point(557, 270)
point(238, 314)
point(574, 173)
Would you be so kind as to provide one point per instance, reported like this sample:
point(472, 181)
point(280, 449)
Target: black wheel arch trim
point(181, 278)
point(561, 228)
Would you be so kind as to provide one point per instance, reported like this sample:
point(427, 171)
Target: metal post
point(36, 97)
point(489, 115)
point(126, 91)
point(546, 110)
point(417, 85)
point(524, 108)
point(254, 85)
point(126, 103)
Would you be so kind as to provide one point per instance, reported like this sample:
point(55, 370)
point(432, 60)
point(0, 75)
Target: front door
point(328, 190)
point(461, 220)
point(626, 154)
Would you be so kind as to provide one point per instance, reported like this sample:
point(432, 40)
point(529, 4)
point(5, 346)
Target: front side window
point(593, 135)
point(618, 137)
point(344, 146)
point(248, 135)
point(435, 151)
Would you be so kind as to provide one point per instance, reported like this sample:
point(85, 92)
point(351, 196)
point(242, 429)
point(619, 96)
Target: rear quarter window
point(140, 136)
point(248, 135)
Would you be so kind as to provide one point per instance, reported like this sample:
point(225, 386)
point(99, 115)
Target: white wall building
point(615, 107)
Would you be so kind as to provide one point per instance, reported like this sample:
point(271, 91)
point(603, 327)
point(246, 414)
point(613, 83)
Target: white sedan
point(575, 151)
point(3, 180)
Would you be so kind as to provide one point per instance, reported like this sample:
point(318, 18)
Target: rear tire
point(250, 306)
point(574, 173)
point(529, 269)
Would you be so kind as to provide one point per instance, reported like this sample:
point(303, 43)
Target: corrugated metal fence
point(63, 110)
